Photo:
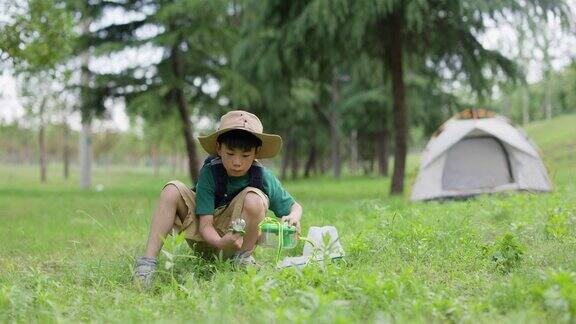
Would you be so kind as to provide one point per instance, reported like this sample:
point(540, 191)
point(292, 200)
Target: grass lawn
point(66, 255)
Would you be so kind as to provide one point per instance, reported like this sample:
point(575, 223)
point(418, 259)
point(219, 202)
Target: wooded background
point(349, 85)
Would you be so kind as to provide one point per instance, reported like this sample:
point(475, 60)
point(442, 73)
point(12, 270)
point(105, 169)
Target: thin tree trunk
point(366, 167)
point(548, 96)
point(382, 151)
point(377, 150)
point(385, 152)
point(154, 158)
point(66, 150)
point(400, 108)
point(354, 151)
point(85, 152)
point(42, 143)
point(323, 165)
point(374, 158)
point(286, 158)
point(545, 44)
point(294, 160)
point(174, 159)
point(182, 105)
point(525, 106)
point(85, 147)
point(334, 121)
point(311, 162)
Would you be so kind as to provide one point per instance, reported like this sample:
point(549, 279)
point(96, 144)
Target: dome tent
point(476, 152)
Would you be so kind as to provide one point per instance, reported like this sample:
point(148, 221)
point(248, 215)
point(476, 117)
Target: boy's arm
point(294, 217)
point(230, 241)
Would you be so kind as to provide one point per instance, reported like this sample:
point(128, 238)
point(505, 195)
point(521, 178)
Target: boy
point(231, 185)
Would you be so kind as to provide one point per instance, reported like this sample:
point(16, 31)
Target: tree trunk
point(286, 158)
point(154, 158)
point(354, 151)
point(42, 143)
point(525, 106)
point(85, 147)
point(294, 160)
point(334, 121)
point(381, 143)
point(385, 152)
point(66, 150)
point(311, 162)
point(174, 159)
point(85, 152)
point(374, 158)
point(400, 107)
point(323, 165)
point(548, 96)
point(182, 105)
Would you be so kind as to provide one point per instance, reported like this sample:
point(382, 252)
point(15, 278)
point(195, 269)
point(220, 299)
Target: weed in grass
point(506, 253)
point(559, 223)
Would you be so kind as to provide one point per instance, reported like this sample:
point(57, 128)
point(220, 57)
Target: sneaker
point(144, 272)
point(244, 259)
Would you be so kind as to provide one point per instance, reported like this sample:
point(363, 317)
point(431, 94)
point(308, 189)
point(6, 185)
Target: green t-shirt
point(280, 200)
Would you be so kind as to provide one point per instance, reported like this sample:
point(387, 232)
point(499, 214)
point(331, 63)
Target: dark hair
point(239, 139)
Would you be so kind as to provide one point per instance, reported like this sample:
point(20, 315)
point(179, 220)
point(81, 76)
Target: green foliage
point(506, 253)
point(410, 262)
point(560, 223)
point(38, 34)
point(557, 293)
point(530, 99)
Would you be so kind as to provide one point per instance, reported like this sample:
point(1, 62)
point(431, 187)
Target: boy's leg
point(253, 212)
point(175, 200)
point(170, 205)
point(250, 204)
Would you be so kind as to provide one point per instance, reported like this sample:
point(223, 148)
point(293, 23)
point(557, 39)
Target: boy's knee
point(170, 194)
point(253, 204)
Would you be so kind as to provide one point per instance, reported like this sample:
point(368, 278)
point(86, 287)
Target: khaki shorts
point(222, 215)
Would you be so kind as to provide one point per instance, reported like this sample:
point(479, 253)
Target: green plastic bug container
point(269, 235)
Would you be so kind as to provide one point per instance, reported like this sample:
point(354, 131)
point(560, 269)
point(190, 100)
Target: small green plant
point(174, 250)
point(558, 223)
point(557, 293)
point(506, 253)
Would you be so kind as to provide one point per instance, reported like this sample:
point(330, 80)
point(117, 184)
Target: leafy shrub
point(506, 253)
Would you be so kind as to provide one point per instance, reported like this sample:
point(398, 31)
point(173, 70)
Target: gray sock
point(144, 271)
point(146, 261)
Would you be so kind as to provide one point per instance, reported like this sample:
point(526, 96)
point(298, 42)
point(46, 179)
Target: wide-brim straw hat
point(239, 119)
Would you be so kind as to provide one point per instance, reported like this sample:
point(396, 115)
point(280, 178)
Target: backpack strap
point(220, 180)
point(256, 175)
point(255, 179)
point(207, 161)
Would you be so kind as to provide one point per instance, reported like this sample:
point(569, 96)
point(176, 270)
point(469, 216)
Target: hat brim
point(271, 143)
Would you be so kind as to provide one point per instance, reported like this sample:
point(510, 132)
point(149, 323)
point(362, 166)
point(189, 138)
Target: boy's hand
point(292, 220)
point(230, 242)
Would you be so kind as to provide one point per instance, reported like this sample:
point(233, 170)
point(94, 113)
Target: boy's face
point(236, 161)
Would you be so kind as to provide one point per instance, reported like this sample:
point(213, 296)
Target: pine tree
point(192, 36)
point(442, 34)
